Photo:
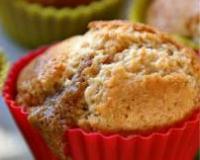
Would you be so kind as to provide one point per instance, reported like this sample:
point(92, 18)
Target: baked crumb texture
point(118, 77)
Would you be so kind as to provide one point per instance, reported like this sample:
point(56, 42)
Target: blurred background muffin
point(181, 18)
point(33, 24)
point(3, 68)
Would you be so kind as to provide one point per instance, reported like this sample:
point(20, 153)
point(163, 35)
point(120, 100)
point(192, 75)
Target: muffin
point(44, 24)
point(178, 17)
point(118, 78)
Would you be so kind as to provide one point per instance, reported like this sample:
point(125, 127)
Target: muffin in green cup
point(33, 24)
point(3, 68)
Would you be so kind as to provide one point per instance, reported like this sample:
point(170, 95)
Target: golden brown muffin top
point(118, 77)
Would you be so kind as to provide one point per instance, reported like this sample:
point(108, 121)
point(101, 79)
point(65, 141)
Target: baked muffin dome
point(118, 77)
point(177, 16)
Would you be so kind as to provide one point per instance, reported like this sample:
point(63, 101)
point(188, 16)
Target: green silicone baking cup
point(3, 69)
point(33, 24)
point(138, 14)
point(198, 156)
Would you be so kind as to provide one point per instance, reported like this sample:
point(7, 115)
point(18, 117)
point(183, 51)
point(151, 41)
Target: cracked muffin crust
point(118, 77)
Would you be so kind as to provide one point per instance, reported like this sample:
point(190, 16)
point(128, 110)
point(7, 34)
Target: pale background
point(12, 144)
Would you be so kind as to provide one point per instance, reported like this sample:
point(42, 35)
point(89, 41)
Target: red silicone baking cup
point(179, 142)
point(39, 149)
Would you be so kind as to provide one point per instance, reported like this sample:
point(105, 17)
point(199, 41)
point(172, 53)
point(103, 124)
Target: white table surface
point(12, 144)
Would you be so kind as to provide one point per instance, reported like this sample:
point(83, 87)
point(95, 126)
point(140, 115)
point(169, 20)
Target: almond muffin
point(118, 77)
point(179, 17)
